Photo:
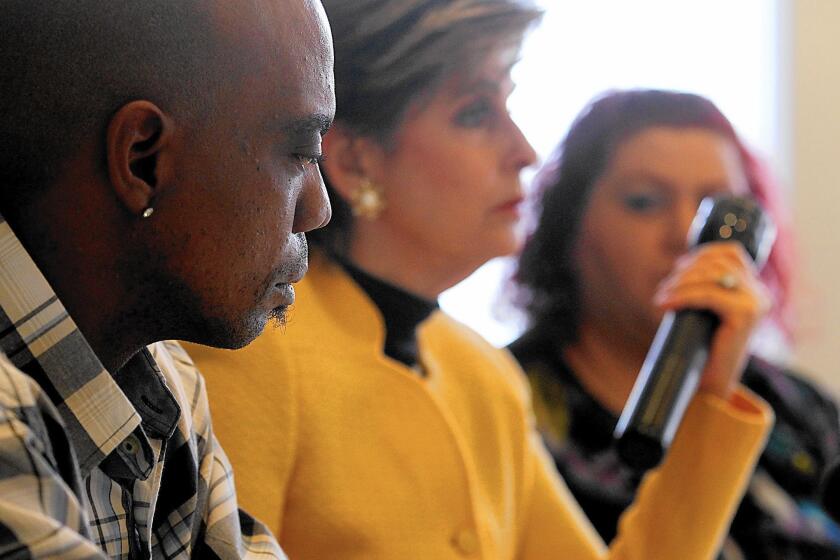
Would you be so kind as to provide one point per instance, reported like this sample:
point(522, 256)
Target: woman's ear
point(137, 138)
point(350, 160)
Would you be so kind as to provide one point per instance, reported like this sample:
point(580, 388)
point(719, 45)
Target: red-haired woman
point(600, 270)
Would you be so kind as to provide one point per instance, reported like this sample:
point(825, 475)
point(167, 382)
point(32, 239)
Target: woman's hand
point(721, 278)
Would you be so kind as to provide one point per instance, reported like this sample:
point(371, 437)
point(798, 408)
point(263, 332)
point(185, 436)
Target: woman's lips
point(512, 206)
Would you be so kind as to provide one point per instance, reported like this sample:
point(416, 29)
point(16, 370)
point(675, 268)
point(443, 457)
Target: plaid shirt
point(94, 464)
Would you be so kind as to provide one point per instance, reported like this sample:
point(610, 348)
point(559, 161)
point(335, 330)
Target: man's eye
point(310, 159)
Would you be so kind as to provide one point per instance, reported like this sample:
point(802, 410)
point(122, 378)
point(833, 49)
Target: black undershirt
point(402, 311)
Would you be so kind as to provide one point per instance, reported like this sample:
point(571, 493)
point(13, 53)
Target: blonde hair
point(389, 53)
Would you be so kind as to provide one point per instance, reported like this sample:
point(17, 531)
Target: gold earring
point(368, 201)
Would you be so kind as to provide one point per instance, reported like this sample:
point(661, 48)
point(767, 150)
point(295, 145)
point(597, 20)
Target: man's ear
point(137, 135)
point(351, 160)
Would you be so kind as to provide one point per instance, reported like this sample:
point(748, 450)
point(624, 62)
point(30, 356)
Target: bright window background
point(726, 50)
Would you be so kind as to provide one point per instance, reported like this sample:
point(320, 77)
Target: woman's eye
point(476, 114)
point(642, 202)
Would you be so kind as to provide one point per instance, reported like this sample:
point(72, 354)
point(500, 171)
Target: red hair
point(778, 273)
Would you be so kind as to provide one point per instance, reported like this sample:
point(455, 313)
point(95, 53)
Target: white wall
point(814, 125)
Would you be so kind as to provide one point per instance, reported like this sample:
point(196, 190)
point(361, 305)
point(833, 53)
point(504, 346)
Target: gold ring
point(728, 281)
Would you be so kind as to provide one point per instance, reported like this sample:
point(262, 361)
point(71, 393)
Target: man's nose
point(313, 208)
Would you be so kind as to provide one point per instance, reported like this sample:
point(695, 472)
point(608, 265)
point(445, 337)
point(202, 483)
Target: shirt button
point(131, 445)
point(466, 542)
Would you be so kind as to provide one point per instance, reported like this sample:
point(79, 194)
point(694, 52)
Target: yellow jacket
point(348, 454)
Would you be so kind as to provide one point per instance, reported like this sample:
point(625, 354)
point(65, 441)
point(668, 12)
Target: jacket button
point(131, 445)
point(466, 542)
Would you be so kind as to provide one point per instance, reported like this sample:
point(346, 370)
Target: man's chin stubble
point(278, 316)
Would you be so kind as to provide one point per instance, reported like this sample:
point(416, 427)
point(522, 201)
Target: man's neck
point(88, 290)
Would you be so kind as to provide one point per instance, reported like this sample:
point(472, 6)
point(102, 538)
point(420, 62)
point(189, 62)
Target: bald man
point(158, 169)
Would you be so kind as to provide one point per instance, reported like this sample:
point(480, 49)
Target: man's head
point(209, 112)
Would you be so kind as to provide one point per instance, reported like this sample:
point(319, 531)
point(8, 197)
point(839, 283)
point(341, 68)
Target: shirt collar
point(401, 310)
point(41, 339)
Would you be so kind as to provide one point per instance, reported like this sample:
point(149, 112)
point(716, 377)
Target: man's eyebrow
point(318, 122)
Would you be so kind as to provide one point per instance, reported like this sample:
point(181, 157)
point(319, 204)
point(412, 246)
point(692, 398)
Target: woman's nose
point(521, 154)
point(682, 219)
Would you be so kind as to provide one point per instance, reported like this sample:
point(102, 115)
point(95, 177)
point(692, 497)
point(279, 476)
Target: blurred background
point(770, 65)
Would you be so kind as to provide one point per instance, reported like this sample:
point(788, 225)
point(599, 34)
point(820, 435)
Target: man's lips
point(284, 288)
point(285, 293)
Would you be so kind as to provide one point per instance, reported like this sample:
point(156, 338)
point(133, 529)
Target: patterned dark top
point(779, 517)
